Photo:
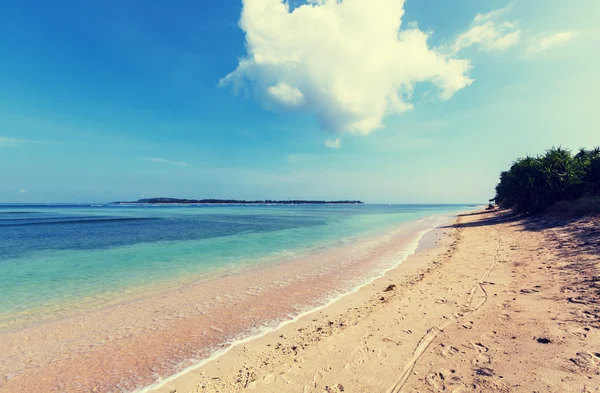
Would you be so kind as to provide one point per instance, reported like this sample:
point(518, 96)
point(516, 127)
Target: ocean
point(67, 261)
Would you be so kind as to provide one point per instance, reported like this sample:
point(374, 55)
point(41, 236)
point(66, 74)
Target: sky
point(386, 101)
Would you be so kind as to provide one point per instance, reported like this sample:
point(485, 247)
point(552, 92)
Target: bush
point(576, 208)
point(534, 184)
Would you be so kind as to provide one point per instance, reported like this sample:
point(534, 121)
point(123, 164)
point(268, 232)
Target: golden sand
point(503, 305)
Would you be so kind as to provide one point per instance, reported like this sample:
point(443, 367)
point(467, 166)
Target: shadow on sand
point(576, 242)
point(583, 232)
point(529, 222)
point(497, 217)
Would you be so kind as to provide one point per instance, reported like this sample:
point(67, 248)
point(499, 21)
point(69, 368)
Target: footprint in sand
point(449, 351)
point(359, 355)
point(587, 361)
point(446, 381)
point(590, 389)
point(489, 336)
point(579, 332)
point(317, 378)
point(435, 382)
point(481, 358)
point(480, 347)
point(503, 317)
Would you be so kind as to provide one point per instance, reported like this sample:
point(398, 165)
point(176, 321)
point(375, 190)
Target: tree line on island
point(239, 202)
point(558, 178)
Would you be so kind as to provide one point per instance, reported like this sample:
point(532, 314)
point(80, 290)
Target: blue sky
point(115, 100)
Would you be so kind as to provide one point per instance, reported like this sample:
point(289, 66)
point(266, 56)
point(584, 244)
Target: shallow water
point(51, 255)
point(152, 290)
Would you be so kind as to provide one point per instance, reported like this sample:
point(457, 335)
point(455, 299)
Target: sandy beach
point(490, 304)
point(300, 196)
point(136, 340)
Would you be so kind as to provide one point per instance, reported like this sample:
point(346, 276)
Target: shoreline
point(160, 385)
point(74, 307)
point(432, 241)
point(501, 304)
point(131, 334)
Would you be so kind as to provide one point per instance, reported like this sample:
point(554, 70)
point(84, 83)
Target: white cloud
point(22, 191)
point(349, 62)
point(286, 95)
point(165, 161)
point(489, 32)
point(493, 15)
point(544, 43)
point(333, 143)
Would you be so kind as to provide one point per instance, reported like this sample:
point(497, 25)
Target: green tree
point(534, 183)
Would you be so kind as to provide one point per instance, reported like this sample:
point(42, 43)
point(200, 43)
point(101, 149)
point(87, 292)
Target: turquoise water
point(54, 255)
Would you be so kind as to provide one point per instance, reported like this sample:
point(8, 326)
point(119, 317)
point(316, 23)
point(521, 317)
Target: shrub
point(535, 183)
point(576, 208)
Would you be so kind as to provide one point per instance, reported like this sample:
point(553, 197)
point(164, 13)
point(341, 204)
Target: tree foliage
point(533, 184)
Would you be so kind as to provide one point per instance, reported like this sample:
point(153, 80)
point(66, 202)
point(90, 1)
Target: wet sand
point(503, 304)
point(132, 344)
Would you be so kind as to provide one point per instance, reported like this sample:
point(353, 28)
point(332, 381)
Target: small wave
point(76, 221)
point(273, 326)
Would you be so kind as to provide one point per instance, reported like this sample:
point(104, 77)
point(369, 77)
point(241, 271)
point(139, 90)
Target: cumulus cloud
point(546, 42)
point(165, 161)
point(489, 32)
point(351, 62)
point(333, 143)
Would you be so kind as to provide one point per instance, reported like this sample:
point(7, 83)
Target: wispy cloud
point(13, 142)
point(165, 161)
point(493, 15)
point(333, 143)
point(543, 43)
point(489, 32)
point(22, 191)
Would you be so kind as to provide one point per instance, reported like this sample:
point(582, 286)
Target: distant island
point(235, 202)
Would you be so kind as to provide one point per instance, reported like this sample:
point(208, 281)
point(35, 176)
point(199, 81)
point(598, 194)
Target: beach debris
point(527, 291)
point(391, 287)
point(484, 371)
point(544, 340)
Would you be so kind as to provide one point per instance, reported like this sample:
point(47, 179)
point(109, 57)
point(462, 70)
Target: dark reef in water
point(238, 202)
